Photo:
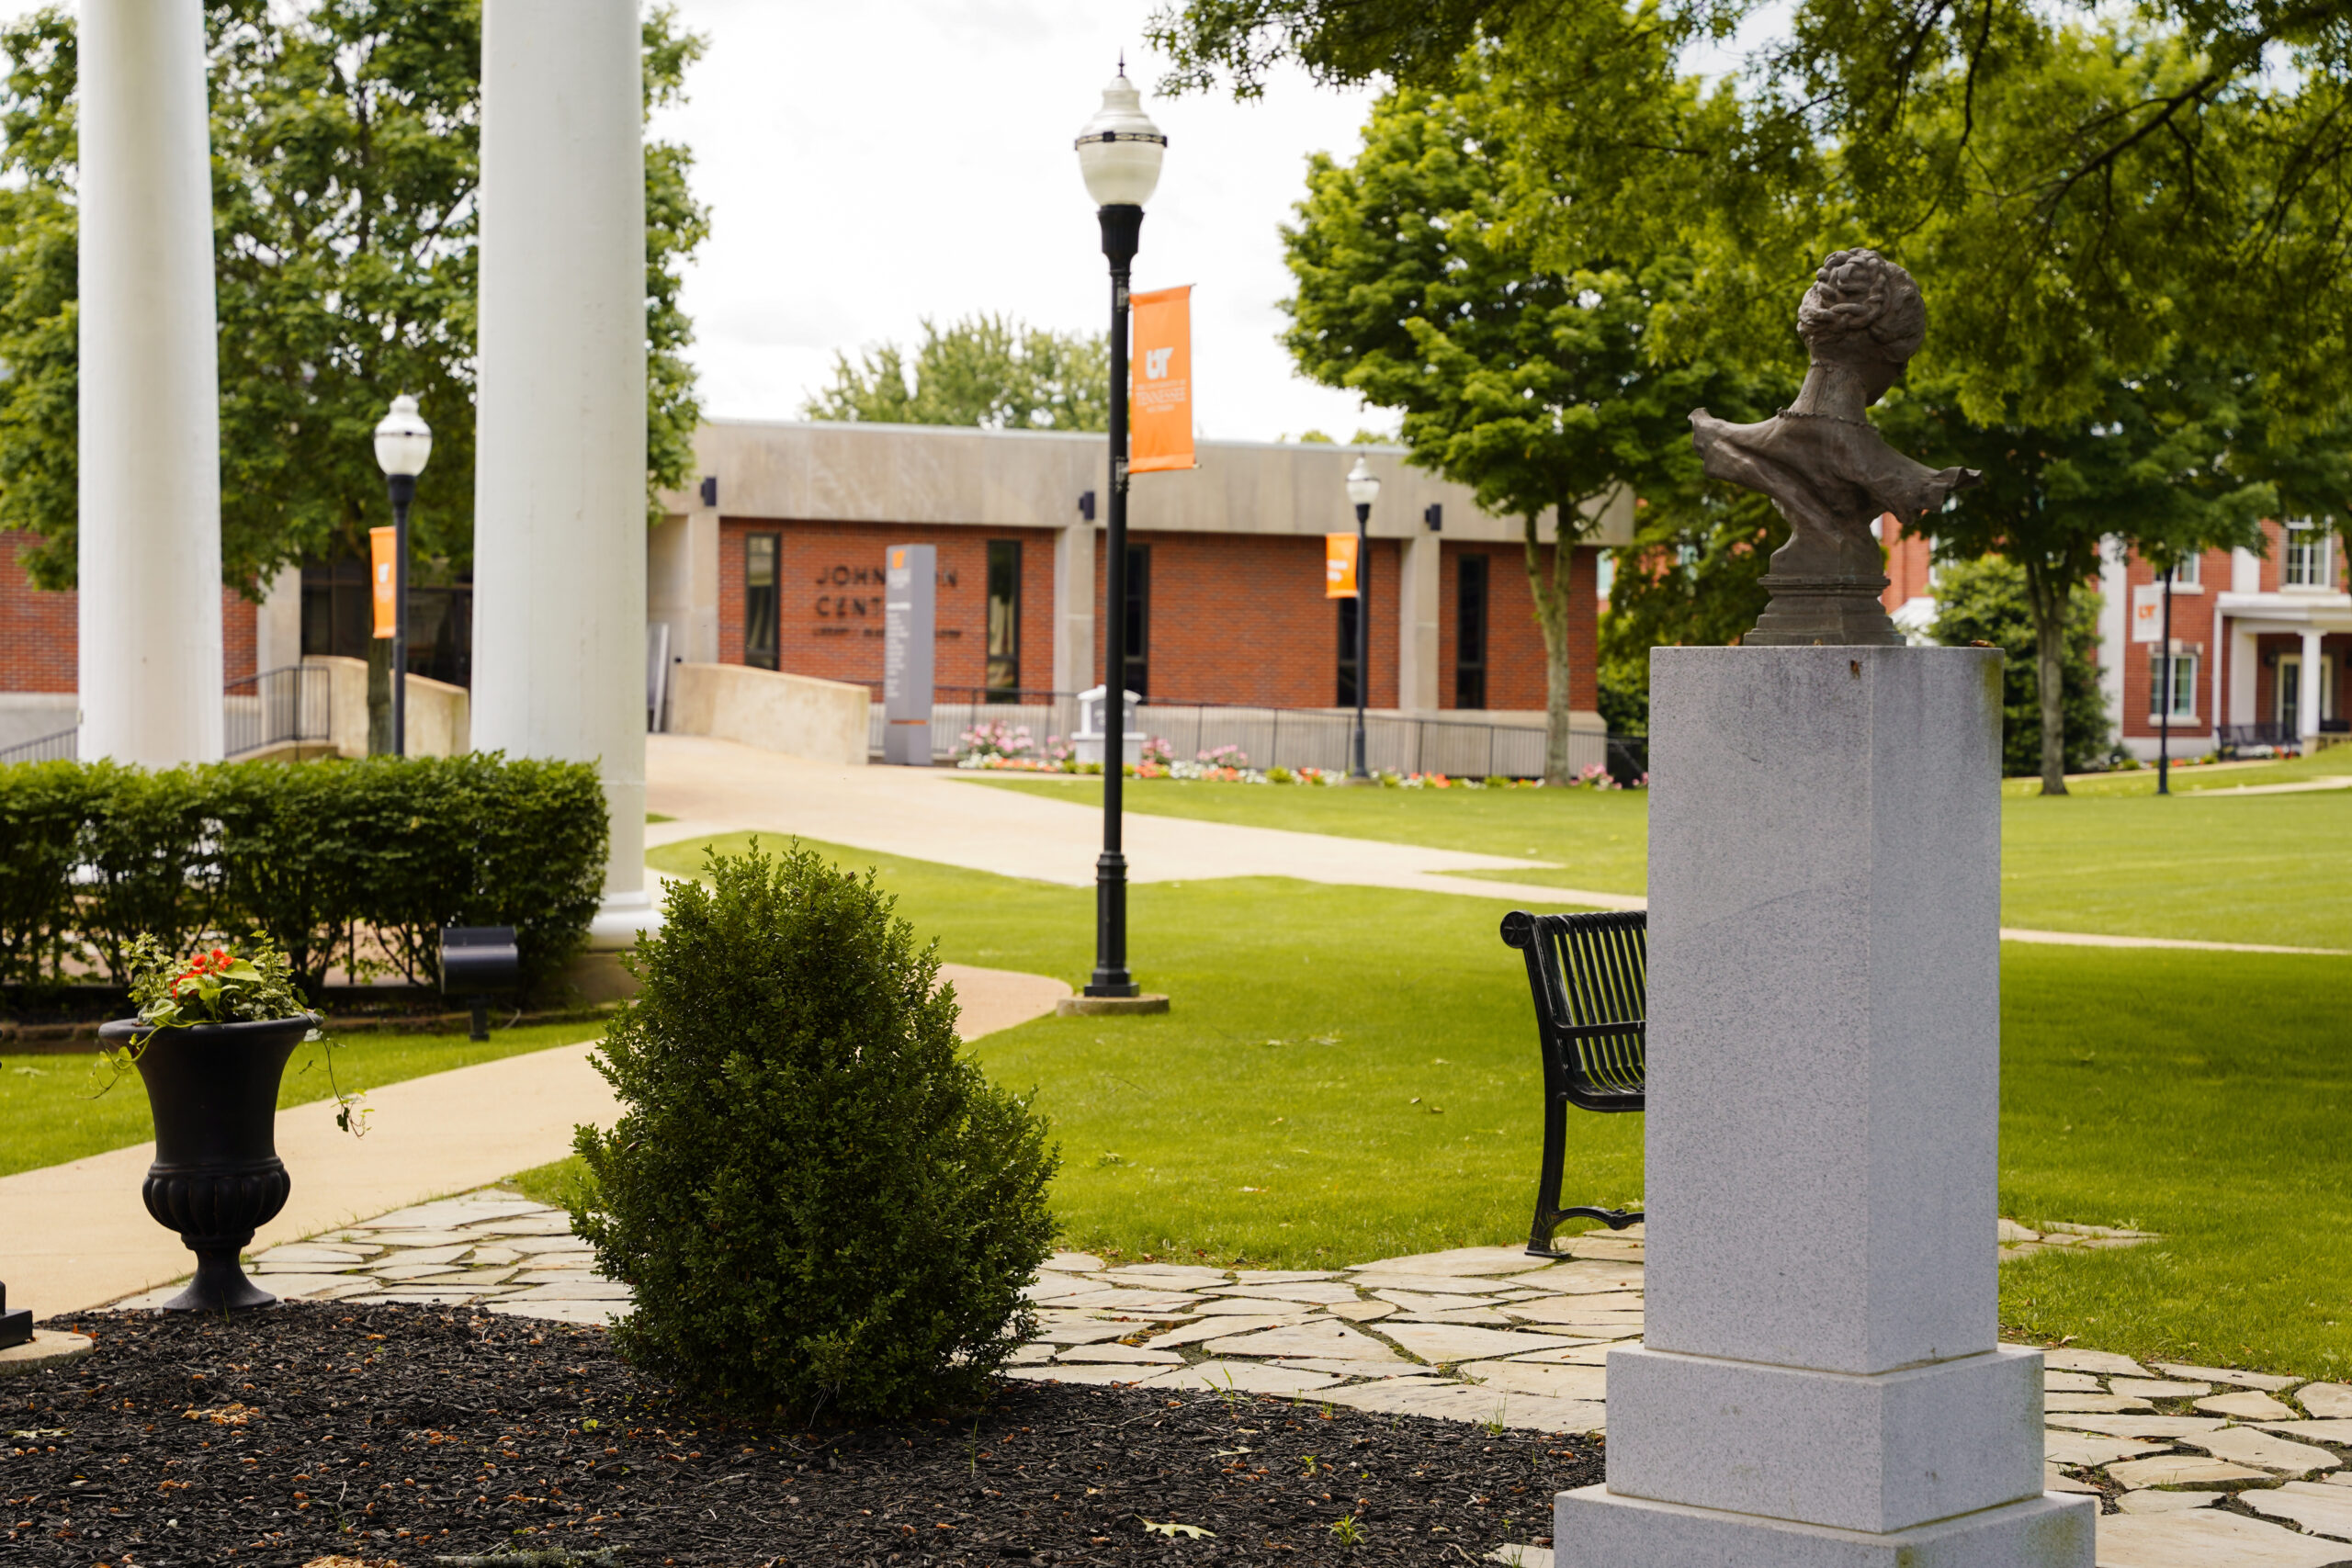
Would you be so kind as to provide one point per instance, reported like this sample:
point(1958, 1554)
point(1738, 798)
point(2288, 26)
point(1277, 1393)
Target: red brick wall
point(1241, 618)
point(39, 631)
point(1514, 636)
point(2193, 627)
point(1909, 558)
point(831, 623)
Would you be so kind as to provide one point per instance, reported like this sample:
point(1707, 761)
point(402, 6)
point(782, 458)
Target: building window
point(2184, 686)
point(1004, 620)
point(2311, 554)
point(2189, 572)
point(1470, 633)
point(1137, 657)
point(1347, 694)
point(760, 603)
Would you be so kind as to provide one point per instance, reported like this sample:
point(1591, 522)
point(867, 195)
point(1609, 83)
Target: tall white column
point(1820, 1381)
point(1417, 622)
point(150, 541)
point(559, 496)
point(2307, 690)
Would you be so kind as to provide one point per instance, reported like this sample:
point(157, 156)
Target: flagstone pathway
point(2197, 1467)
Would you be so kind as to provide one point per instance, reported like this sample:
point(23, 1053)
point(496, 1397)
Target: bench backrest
point(1589, 978)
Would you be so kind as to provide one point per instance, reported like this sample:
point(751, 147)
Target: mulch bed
point(416, 1435)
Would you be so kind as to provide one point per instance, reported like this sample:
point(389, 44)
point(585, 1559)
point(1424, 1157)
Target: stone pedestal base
point(1090, 1007)
point(1595, 1528)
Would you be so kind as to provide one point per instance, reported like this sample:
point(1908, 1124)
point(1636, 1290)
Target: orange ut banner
point(1159, 382)
point(1339, 566)
point(380, 578)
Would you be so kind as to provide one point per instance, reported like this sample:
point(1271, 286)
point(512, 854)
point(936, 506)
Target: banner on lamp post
point(2148, 613)
point(382, 545)
point(1339, 566)
point(1159, 397)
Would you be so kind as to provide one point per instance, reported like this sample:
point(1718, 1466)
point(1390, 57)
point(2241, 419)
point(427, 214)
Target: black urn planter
point(217, 1177)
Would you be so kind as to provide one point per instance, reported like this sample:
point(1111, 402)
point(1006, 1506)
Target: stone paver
point(2152, 1502)
point(2320, 1510)
point(2242, 1444)
point(2087, 1448)
point(2246, 1406)
point(2180, 1470)
point(2266, 1382)
point(2326, 1399)
point(2207, 1538)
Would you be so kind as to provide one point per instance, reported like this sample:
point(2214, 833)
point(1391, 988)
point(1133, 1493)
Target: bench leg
point(1547, 1179)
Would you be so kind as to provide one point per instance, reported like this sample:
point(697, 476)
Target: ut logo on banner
point(1155, 363)
point(1159, 400)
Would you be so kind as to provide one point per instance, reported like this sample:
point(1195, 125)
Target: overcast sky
point(867, 165)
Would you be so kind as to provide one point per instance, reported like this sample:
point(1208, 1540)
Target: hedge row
point(346, 864)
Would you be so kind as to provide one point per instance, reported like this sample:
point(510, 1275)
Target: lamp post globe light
point(1364, 488)
point(1119, 154)
point(403, 442)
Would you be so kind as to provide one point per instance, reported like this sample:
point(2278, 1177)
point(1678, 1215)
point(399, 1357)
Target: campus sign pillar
point(559, 650)
point(149, 459)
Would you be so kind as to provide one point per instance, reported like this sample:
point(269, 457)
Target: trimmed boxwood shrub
point(823, 1206)
point(350, 863)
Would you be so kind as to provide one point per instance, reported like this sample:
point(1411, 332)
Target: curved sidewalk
point(75, 1236)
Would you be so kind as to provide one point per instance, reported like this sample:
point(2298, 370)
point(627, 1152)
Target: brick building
point(776, 562)
point(2261, 640)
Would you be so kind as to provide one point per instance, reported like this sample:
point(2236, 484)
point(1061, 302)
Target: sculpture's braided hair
point(1861, 294)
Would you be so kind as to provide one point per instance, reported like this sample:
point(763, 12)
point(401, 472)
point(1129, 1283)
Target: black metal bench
point(1589, 977)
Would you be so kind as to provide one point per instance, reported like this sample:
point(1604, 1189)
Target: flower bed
point(426, 1434)
point(1008, 748)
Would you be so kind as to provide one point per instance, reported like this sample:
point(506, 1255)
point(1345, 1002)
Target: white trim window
point(2184, 686)
point(2190, 572)
point(2309, 559)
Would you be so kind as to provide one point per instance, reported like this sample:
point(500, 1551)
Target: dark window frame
point(1473, 615)
point(1345, 696)
point(769, 657)
point(1135, 662)
point(1001, 658)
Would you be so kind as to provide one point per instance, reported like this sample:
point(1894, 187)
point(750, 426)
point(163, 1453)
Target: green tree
point(1989, 600)
point(1536, 388)
point(345, 141)
point(987, 370)
point(1693, 576)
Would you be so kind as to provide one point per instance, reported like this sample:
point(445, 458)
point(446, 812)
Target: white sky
point(869, 164)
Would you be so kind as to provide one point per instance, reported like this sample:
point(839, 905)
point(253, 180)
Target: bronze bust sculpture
point(1827, 469)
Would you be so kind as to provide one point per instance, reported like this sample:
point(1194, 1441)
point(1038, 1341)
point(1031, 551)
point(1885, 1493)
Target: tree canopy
point(986, 369)
point(346, 152)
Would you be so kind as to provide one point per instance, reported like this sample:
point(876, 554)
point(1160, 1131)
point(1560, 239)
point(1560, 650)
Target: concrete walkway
point(75, 1235)
point(718, 787)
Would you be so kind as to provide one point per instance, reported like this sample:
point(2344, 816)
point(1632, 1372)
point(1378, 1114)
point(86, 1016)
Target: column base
point(618, 920)
point(1594, 1528)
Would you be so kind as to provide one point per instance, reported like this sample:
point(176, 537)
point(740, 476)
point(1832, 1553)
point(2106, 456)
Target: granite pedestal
point(1820, 1381)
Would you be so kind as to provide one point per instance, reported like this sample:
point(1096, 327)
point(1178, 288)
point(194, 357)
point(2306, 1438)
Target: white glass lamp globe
point(1363, 488)
point(1120, 149)
point(404, 441)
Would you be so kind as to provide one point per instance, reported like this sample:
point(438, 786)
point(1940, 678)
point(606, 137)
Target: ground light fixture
point(1119, 154)
point(1364, 488)
point(403, 442)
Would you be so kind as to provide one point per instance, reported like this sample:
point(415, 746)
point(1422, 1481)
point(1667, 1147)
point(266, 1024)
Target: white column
point(1417, 622)
point(1074, 608)
point(2245, 664)
point(2307, 691)
point(150, 543)
point(1820, 1380)
point(560, 491)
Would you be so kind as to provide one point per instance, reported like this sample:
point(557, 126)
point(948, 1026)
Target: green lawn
point(1363, 1060)
point(50, 1116)
point(2112, 859)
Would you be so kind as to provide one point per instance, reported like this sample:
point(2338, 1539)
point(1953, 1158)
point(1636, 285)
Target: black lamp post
point(1119, 154)
point(403, 442)
point(2164, 705)
point(1363, 490)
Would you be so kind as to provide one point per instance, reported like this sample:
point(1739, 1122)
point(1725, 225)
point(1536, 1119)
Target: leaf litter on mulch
point(423, 1436)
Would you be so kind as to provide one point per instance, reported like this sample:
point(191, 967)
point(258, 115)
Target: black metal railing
point(1278, 737)
point(277, 707)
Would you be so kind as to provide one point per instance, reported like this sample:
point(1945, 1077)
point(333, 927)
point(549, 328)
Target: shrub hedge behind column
point(355, 865)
